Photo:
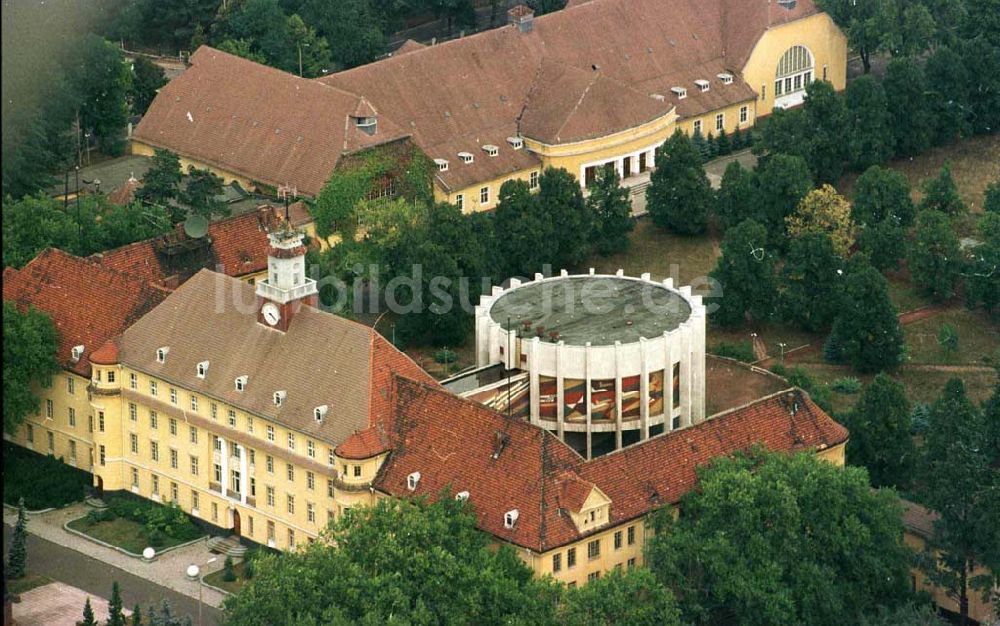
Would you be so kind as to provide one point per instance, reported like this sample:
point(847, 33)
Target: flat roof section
point(596, 309)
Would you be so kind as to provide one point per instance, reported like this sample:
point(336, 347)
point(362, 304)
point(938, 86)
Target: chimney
point(521, 16)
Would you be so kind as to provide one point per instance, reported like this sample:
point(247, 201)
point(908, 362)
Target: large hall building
point(600, 83)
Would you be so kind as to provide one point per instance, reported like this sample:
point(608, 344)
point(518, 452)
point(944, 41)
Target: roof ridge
point(572, 112)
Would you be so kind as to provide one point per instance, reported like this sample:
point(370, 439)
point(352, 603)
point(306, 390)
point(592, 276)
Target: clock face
point(271, 313)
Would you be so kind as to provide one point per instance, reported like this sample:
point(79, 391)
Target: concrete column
point(533, 380)
point(586, 395)
point(618, 395)
point(244, 474)
point(620, 167)
point(635, 164)
point(224, 454)
point(644, 390)
point(651, 158)
point(560, 390)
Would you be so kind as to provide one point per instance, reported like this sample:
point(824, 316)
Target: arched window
point(795, 71)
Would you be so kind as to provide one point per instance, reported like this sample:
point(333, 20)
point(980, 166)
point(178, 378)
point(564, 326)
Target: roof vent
point(412, 480)
point(515, 142)
point(510, 518)
point(442, 164)
point(320, 412)
point(202, 369)
point(367, 125)
point(680, 92)
point(279, 397)
point(659, 97)
point(76, 353)
point(726, 78)
point(491, 150)
point(241, 383)
point(521, 16)
point(500, 440)
point(462, 496)
point(161, 354)
point(466, 157)
point(787, 4)
point(703, 84)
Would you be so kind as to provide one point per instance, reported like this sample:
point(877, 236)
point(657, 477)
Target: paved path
point(166, 571)
point(58, 604)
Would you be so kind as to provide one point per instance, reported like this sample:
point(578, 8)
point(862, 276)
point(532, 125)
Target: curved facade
point(618, 360)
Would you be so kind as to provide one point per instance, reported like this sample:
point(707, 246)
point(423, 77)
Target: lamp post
point(194, 573)
point(782, 351)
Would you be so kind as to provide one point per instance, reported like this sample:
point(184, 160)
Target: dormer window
point(279, 397)
point(241, 383)
point(202, 369)
point(320, 412)
point(462, 496)
point(491, 150)
point(412, 481)
point(367, 125)
point(727, 79)
point(76, 353)
point(515, 142)
point(680, 92)
point(442, 164)
point(703, 85)
point(510, 518)
point(466, 157)
point(161, 354)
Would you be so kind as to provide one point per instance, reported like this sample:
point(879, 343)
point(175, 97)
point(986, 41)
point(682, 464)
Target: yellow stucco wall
point(227, 177)
point(730, 118)
point(471, 195)
point(980, 611)
point(818, 33)
point(57, 400)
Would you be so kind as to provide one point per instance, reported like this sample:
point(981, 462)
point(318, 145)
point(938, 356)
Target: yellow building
point(600, 83)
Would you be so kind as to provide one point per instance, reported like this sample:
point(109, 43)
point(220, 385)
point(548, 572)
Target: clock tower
point(286, 288)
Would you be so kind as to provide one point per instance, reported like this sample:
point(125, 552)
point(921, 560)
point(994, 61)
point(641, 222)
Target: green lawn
point(29, 582)
point(978, 339)
point(126, 534)
point(215, 579)
point(904, 295)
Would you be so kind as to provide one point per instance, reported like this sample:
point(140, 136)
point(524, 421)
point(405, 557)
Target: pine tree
point(137, 616)
point(880, 433)
point(116, 616)
point(812, 282)
point(941, 193)
point(610, 206)
point(734, 200)
point(745, 272)
point(723, 143)
point(935, 258)
point(228, 573)
point(679, 194)
point(710, 147)
point(17, 557)
point(88, 615)
point(699, 142)
point(738, 141)
point(868, 331)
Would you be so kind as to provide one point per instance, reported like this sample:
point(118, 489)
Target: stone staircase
point(227, 546)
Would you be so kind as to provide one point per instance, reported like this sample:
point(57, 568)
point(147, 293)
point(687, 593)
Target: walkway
point(58, 604)
point(166, 571)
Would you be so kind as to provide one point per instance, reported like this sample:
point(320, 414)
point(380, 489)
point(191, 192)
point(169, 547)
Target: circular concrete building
point(602, 361)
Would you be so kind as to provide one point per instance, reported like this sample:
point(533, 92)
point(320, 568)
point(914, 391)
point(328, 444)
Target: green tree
point(991, 198)
point(228, 573)
point(914, 29)
point(30, 341)
point(255, 29)
point(351, 28)
point(884, 243)
point(984, 92)
point(881, 194)
point(935, 258)
point(811, 282)
point(136, 616)
point(981, 284)
point(524, 241)
point(116, 616)
point(243, 48)
point(948, 339)
point(541, 7)
point(941, 193)
point(823, 210)
point(165, 616)
point(162, 182)
point(911, 121)
point(869, 129)
point(570, 221)
point(867, 333)
point(782, 182)
point(396, 562)
point(313, 50)
point(202, 193)
point(880, 434)
point(910, 614)
point(147, 78)
point(948, 100)
point(758, 543)
point(826, 116)
point(679, 194)
point(785, 131)
point(101, 78)
point(17, 553)
point(455, 13)
point(736, 195)
point(34, 223)
point(88, 615)
point(610, 206)
point(635, 598)
point(745, 271)
point(868, 25)
point(959, 482)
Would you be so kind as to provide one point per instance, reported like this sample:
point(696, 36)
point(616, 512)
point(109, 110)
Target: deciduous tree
point(679, 194)
point(782, 182)
point(102, 79)
point(745, 271)
point(30, 341)
point(949, 81)
point(735, 200)
point(868, 127)
point(941, 193)
point(610, 206)
point(560, 199)
point(826, 117)
point(982, 274)
point(147, 78)
point(634, 597)
point(911, 121)
point(935, 258)
point(758, 543)
point(824, 210)
point(880, 434)
point(881, 194)
point(867, 333)
point(812, 280)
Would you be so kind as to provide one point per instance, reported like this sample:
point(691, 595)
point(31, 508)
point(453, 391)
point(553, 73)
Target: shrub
point(101, 515)
point(847, 384)
point(43, 481)
point(445, 356)
point(157, 538)
point(742, 351)
point(780, 370)
point(820, 394)
point(228, 574)
point(171, 521)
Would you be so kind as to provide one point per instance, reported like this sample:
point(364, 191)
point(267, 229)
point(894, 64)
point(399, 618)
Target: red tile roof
point(452, 441)
point(255, 121)
point(236, 246)
point(919, 520)
point(363, 444)
point(88, 303)
point(106, 354)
